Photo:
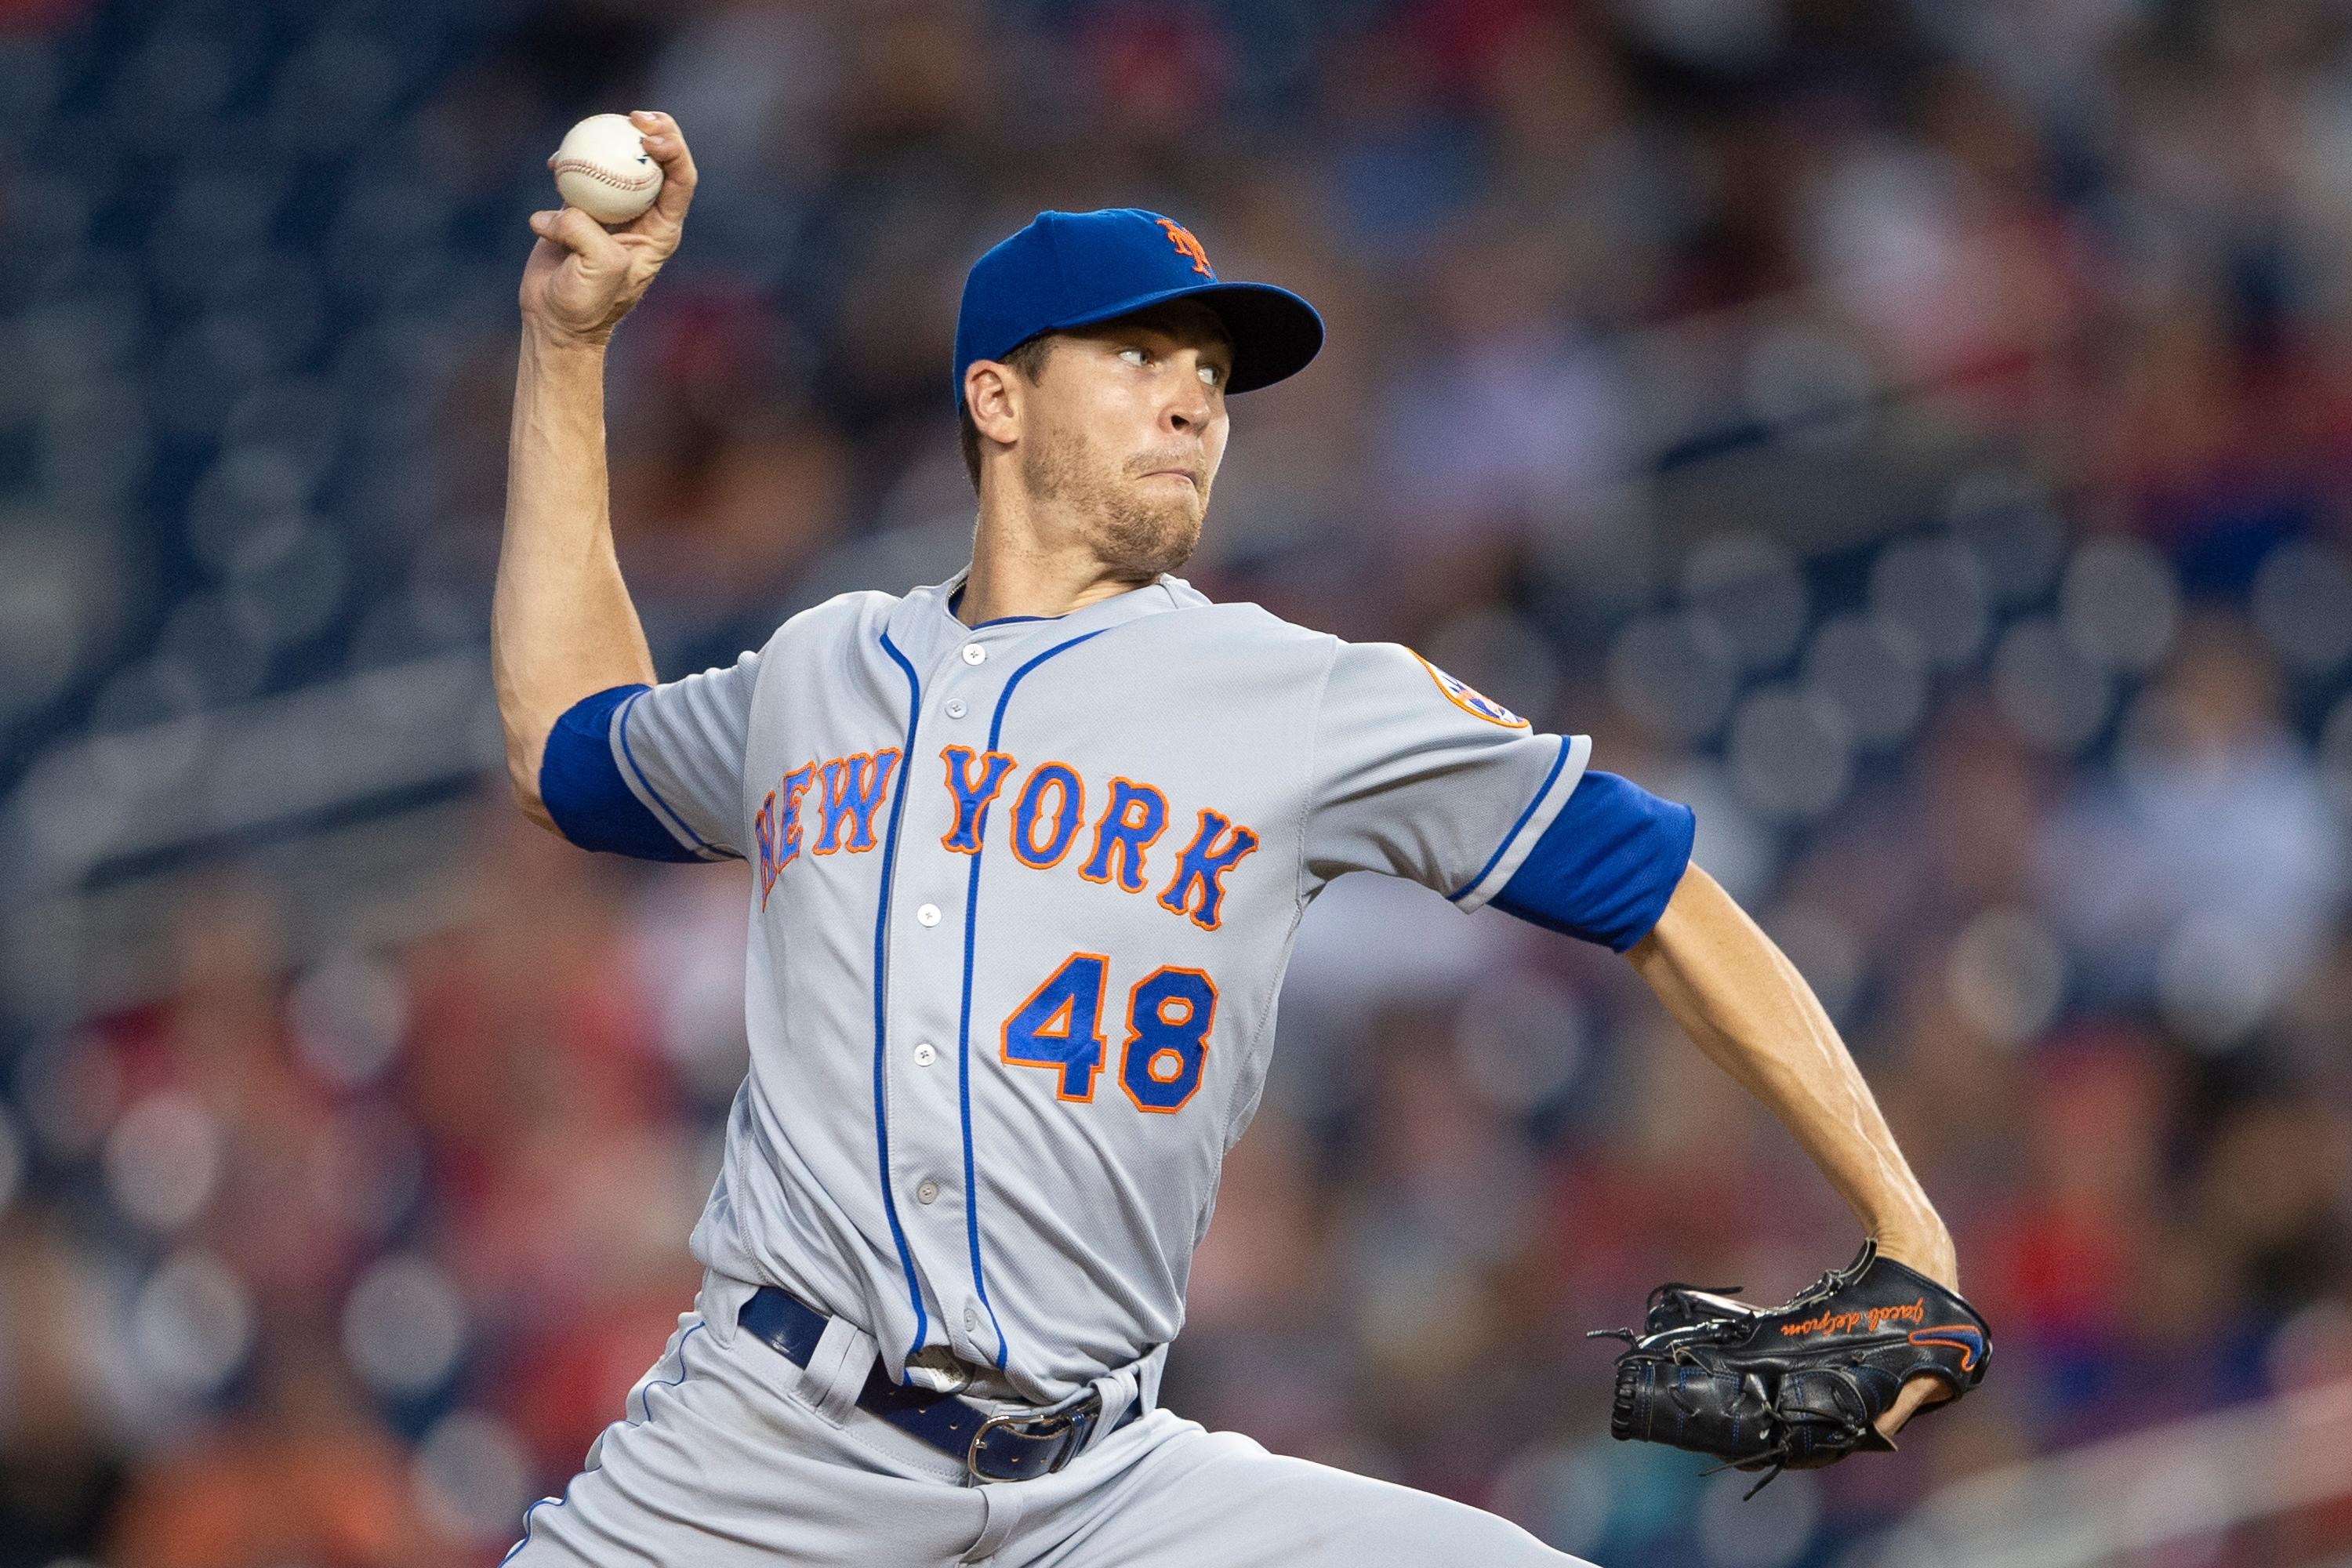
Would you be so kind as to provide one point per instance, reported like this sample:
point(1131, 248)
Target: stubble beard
point(1134, 535)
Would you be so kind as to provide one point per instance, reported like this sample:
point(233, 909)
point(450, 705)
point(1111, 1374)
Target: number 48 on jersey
point(1169, 1013)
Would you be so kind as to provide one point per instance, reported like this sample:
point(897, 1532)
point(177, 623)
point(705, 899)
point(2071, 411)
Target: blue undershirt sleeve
point(580, 783)
point(1605, 867)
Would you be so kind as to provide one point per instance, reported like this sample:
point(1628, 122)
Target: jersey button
point(955, 707)
point(924, 1055)
point(971, 1319)
point(974, 654)
point(927, 1193)
point(928, 915)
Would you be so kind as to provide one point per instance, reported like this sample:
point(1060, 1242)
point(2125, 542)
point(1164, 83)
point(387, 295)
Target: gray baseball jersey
point(1022, 900)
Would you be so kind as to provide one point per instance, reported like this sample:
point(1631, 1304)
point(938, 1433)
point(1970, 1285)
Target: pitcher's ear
point(992, 395)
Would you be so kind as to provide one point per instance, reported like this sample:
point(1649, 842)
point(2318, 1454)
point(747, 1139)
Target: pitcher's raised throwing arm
point(561, 624)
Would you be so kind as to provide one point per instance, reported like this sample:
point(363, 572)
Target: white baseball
point(605, 170)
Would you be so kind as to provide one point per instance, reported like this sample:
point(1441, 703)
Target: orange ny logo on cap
point(1181, 238)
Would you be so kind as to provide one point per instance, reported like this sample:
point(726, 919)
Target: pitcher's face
point(1124, 430)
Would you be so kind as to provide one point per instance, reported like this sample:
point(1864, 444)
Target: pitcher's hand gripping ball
point(1794, 1386)
point(603, 168)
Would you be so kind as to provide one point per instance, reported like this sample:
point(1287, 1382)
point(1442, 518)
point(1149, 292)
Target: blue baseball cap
point(1075, 270)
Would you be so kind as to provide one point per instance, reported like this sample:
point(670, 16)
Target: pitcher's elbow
point(534, 808)
point(522, 782)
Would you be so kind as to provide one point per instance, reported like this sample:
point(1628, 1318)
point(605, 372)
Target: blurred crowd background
point(1919, 434)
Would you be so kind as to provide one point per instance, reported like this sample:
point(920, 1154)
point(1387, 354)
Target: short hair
point(1027, 358)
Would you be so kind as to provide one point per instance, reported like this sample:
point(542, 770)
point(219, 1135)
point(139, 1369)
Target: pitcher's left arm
point(1743, 1003)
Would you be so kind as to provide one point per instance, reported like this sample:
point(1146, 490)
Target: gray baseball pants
point(724, 1461)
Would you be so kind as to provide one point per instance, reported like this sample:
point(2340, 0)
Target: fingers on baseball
point(576, 232)
point(667, 146)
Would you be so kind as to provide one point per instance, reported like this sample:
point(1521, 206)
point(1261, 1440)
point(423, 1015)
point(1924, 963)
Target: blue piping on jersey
point(652, 793)
point(963, 1026)
point(1458, 894)
point(955, 604)
point(881, 1022)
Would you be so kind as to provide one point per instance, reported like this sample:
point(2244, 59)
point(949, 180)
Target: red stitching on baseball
point(598, 171)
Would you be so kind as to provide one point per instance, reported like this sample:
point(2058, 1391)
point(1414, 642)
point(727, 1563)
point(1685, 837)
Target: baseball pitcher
point(1027, 850)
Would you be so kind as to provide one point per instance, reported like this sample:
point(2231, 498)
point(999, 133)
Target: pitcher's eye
point(1135, 356)
point(1212, 376)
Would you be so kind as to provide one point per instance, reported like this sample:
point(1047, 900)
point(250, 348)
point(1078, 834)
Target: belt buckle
point(1055, 1423)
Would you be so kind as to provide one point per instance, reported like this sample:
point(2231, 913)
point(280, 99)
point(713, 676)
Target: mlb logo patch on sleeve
point(1471, 700)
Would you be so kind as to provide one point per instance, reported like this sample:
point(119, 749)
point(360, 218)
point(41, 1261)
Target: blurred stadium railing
point(2170, 1494)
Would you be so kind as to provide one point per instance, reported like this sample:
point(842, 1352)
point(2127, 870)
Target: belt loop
point(721, 1302)
point(1004, 1500)
point(1135, 1385)
point(836, 1373)
point(1147, 1378)
point(1118, 1390)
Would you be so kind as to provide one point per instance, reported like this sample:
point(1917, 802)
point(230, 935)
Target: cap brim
point(1276, 333)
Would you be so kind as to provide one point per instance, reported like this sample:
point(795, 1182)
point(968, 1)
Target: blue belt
point(1009, 1446)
